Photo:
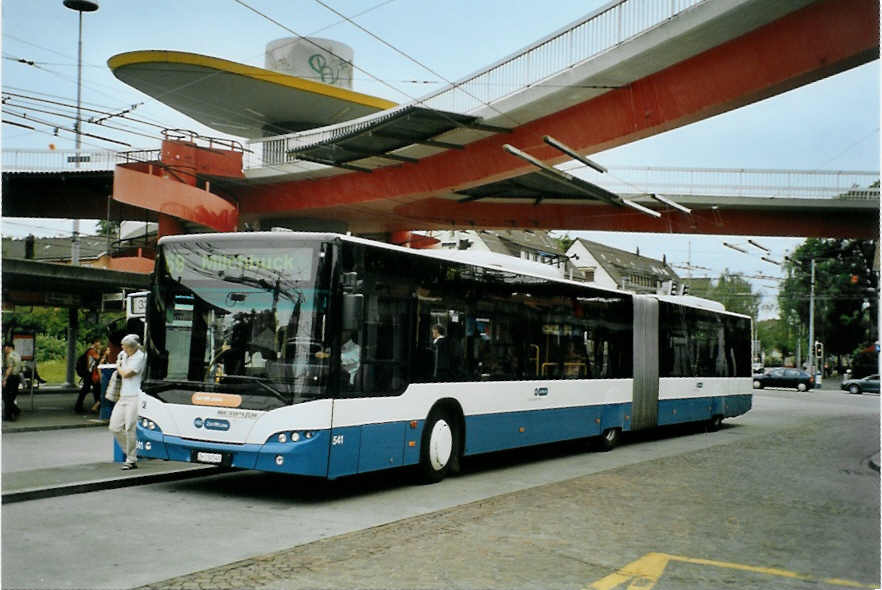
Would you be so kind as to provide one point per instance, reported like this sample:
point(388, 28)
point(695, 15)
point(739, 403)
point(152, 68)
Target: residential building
point(612, 268)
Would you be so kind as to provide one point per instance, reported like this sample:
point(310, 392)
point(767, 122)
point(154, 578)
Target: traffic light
point(854, 279)
point(819, 349)
point(685, 289)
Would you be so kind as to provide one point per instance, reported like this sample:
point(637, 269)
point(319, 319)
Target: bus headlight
point(293, 436)
point(148, 424)
point(280, 460)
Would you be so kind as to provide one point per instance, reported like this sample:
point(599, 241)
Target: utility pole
point(811, 335)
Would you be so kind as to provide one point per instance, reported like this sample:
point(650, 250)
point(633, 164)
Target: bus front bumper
point(302, 457)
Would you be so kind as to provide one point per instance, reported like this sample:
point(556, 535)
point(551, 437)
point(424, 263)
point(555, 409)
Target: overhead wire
point(413, 99)
point(56, 126)
point(257, 120)
point(106, 113)
point(84, 104)
point(74, 117)
point(414, 60)
point(345, 19)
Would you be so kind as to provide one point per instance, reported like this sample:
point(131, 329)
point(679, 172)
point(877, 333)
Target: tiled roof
point(621, 263)
point(55, 249)
point(513, 241)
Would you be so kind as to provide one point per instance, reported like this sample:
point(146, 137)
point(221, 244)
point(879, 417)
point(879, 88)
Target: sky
point(830, 124)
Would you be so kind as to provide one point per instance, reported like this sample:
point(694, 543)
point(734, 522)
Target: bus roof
point(515, 265)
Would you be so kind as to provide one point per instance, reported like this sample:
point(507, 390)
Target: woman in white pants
point(130, 366)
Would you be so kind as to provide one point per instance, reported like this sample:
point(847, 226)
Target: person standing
point(11, 379)
point(130, 366)
point(91, 376)
point(441, 353)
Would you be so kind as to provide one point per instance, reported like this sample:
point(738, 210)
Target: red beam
point(802, 223)
point(819, 40)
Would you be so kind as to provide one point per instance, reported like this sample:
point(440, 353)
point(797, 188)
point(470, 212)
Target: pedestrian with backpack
point(87, 369)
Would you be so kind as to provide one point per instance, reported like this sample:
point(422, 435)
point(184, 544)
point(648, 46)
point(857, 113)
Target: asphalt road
point(783, 493)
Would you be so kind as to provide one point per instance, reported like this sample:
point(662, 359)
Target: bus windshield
point(242, 316)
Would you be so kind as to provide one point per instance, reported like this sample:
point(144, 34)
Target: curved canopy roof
point(239, 99)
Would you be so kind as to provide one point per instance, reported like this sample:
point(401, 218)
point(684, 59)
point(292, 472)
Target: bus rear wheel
point(610, 439)
point(715, 423)
point(438, 448)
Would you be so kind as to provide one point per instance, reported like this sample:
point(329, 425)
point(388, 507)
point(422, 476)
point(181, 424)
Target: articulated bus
point(328, 355)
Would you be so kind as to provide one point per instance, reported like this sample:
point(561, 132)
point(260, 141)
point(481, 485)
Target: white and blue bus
point(329, 355)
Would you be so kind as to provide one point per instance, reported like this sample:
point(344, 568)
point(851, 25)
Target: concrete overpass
point(806, 203)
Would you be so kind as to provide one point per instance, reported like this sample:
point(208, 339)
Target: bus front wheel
point(438, 447)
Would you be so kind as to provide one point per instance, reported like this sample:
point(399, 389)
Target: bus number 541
point(337, 440)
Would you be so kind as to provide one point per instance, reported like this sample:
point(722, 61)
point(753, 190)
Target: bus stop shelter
point(28, 282)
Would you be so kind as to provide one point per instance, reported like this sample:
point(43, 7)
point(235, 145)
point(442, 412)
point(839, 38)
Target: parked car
point(782, 377)
point(870, 383)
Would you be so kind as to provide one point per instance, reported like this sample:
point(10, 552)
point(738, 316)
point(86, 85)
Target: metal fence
point(599, 31)
point(723, 182)
point(71, 160)
point(736, 182)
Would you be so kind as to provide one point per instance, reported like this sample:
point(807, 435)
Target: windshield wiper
point(263, 382)
point(154, 388)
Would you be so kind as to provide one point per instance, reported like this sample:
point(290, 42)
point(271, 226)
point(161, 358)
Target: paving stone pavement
point(803, 500)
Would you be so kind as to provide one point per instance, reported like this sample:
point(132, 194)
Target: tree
point(563, 241)
point(108, 229)
point(775, 334)
point(736, 293)
point(846, 292)
point(51, 324)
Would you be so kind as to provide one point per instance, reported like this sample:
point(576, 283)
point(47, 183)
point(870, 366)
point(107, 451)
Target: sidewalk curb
point(14, 429)
point(106, 484)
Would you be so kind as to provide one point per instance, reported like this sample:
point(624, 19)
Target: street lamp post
point(80, 6)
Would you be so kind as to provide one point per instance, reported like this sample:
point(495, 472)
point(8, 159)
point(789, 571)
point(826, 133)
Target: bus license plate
point(215, 458)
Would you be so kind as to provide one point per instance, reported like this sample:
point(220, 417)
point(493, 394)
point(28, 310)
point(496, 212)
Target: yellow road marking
point(645, 572)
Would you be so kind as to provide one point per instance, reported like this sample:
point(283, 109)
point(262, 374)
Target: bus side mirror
point(353, 311)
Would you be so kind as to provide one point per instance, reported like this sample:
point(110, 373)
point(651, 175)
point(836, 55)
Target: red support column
point(169, 226)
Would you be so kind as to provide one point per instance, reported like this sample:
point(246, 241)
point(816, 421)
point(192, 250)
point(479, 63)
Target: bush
point(50, 348)
point(50, 325)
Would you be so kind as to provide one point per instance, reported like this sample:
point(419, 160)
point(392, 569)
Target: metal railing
point(735, 182)
point(71, 160)
point(593, 34)
point(599, 31)
point(723, 182)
